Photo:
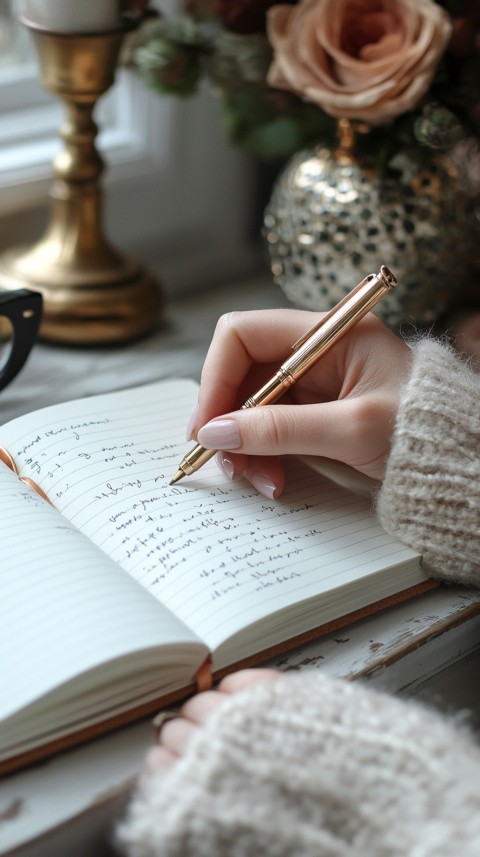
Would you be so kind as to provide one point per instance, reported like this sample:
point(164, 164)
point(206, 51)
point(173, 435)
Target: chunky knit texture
point(311, 765)
point(317, 767)
point(431, 493)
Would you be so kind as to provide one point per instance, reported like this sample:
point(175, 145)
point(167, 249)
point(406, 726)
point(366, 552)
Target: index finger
point(241, 341)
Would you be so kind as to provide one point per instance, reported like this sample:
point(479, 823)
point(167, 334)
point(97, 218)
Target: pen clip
point(296, 345)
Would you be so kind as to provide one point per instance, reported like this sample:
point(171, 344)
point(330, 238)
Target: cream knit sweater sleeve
point(315, 767)
point(430, 497)
point(311, 765)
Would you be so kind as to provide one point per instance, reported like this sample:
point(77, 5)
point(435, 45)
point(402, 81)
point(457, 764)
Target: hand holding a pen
point(344, 408)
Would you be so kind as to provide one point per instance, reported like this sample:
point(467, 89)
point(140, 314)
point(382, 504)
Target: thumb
point(317, 429)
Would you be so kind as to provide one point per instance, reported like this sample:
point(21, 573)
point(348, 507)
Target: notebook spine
point(204, 676)
point(10, 463)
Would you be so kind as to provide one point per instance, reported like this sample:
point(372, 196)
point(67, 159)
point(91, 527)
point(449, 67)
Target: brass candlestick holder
point(92, 293)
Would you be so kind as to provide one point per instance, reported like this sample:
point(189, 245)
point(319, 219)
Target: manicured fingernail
point(226, 464)
point(192, 423)
point(220, 434)
point(264, 485)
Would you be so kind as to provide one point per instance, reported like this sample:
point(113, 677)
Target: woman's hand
point(344, 408)
point(176, 734)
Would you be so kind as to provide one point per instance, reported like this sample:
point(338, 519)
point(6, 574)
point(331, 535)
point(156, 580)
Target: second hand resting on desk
point(306, 352)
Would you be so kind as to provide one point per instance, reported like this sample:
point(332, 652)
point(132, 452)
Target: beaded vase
point(333, 217)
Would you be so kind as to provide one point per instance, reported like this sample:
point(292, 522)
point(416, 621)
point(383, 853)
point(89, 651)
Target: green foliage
point(437, 127)
point(269, 123)
point(239, 58)
point(169, 56)
point(168, 68)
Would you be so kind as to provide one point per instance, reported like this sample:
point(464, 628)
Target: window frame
point(166, 159)
point(133, 133)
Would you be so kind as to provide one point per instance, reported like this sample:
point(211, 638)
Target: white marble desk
point(429, 647)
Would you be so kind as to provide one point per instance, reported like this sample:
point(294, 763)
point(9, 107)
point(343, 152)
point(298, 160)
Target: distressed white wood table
point(429, 647)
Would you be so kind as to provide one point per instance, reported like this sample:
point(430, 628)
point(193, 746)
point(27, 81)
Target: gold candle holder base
point(92, 293)
point(80, 309)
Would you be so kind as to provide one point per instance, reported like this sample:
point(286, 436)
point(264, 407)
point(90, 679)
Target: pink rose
point(360, 59)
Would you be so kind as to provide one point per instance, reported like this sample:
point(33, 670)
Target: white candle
point(72, 16)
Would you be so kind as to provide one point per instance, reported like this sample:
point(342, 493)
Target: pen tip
point(179, 475)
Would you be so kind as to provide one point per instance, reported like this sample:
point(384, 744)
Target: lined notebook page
point(64, 605)
point(215, 552)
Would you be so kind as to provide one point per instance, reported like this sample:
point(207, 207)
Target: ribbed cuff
point(430, 497)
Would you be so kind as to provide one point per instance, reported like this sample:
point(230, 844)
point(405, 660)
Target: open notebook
point(116, 596)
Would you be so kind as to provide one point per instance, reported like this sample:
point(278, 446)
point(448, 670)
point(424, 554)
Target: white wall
point(191, 215)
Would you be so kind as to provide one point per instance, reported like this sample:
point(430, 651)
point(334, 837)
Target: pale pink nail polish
point(264, 485)
point(226, 464)
point(192, 423)
point(220, 434)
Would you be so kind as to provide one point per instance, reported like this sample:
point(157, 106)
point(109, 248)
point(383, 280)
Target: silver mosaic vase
point(332, 219)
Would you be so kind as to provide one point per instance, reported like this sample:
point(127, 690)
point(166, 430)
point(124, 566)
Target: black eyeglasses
point(20, 316)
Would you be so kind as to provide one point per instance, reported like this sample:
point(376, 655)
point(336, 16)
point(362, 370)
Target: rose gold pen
point(306, 352)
